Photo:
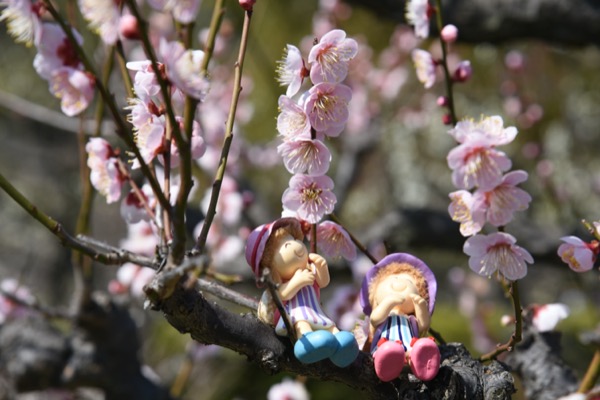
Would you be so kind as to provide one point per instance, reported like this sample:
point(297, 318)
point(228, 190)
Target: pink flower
point(198, 147)
point(149, 139)
point(327, 107)
point(132, 278)
point(231, 202)
point(330, 57)
point(133, 209)
point(292, 121)
point(74, 88)
point(288, 390)
point(579, 255)
point(477, 163)
point(55, 51)
point(23, 20)
point(310, 197)
point(103, 17)
point(424, 66)
point(547, 316)
point(497, 252)
point(291, 71)
point(333, 241)
point(145, 83)
point(8, 308)
point(305, 156)
point(491, 128)
point(104, 170)
point(183, 69)
point(504, 200)
point(465, 210)
point(140, 239)
point(417, 14)
point(183, 11)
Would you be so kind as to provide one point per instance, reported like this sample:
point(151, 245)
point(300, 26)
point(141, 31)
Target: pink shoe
point(389, 360)
point(424, 359)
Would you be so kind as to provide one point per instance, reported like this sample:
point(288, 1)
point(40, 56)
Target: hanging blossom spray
point(306, 119)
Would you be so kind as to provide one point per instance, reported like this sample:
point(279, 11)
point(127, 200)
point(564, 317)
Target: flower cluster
point(105, 174)
point(487, 194)
point(305, 121)
point(57, 62)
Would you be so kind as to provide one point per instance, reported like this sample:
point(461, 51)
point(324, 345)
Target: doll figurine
point(299, 275)
point(398, 295)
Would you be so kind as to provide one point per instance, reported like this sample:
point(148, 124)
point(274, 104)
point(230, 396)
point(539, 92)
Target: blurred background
point(392, 180)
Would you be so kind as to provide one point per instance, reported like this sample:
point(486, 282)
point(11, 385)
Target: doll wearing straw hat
point(398, 295)
point(299, 275)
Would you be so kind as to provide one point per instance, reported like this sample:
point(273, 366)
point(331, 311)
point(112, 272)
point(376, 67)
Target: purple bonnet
point(398, 258)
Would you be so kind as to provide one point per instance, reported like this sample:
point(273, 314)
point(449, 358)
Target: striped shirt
point(304, 306)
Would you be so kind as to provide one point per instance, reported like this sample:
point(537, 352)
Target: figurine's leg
point(389, 360)
point(313, 346)
point(424, 359)
point(347, 349)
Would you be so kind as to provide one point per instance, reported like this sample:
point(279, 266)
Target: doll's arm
point(421, 313)
point(321, 269)
point(301, 278)
point(382, 310)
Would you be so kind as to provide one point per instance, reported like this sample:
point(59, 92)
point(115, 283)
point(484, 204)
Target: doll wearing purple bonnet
point(279, 247)
point(398, 295)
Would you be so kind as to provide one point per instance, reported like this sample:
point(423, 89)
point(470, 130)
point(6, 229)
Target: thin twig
point(35, 305)
point(225, 293)
point(448, 78)
point(592, 374)
point(118, 253)
point(272, 288)
point(355, 240)
point(517, 334)
point(237, 88)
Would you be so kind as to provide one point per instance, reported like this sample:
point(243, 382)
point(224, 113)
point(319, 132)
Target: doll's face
point(395, 284)
point(291, 255)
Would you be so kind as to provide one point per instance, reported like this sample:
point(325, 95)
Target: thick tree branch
point(460, 377)
point(575, 22)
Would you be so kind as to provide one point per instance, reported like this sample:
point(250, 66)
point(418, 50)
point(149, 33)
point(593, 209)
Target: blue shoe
point(315, 346)
point(347, 350)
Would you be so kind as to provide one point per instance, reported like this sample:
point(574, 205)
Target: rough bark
point(537, 362)
point(100, 351)
point(460, 376)
point(574, 22)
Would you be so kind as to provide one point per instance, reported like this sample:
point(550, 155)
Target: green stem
point(237, 88)
point(448, 78)
point(592, 374)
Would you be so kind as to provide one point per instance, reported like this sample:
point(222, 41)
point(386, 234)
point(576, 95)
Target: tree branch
point(575, 22)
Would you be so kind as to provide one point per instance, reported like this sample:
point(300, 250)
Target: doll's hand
point(319, 265)
point(303, 277)
point(421, 313)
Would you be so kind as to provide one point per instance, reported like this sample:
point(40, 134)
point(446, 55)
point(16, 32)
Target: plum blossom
point(497, 252)
point(417, 14)
point(465, 210)
point(424, 67)
point(334, 241)
point(288, 390)
point(23, 20)
point(310, 197)
point(305, 156)
point(183, 68)
point(489, 127)
point(74, 88)
point(58, 63)
point(330, 57)
point(327, 107)
point(183, 11)
point(231, 202)
point(131, 278)
point(103, 17)
point(140, 239)
point(105, 174)
point(9, 308)
point(579, 255)
point(449, 33)
point(463, 71)
point(133, 209)
point(547, 316)
point(477, 163)
point(292, 121)
point(504, 200)
point(291, 71)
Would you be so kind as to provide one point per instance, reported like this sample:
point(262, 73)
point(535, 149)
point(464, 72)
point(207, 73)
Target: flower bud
point(449, 33)
point(247, 4)
point(463, 72)
point(129, 28)
point(442, 101)
point(447, 119)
